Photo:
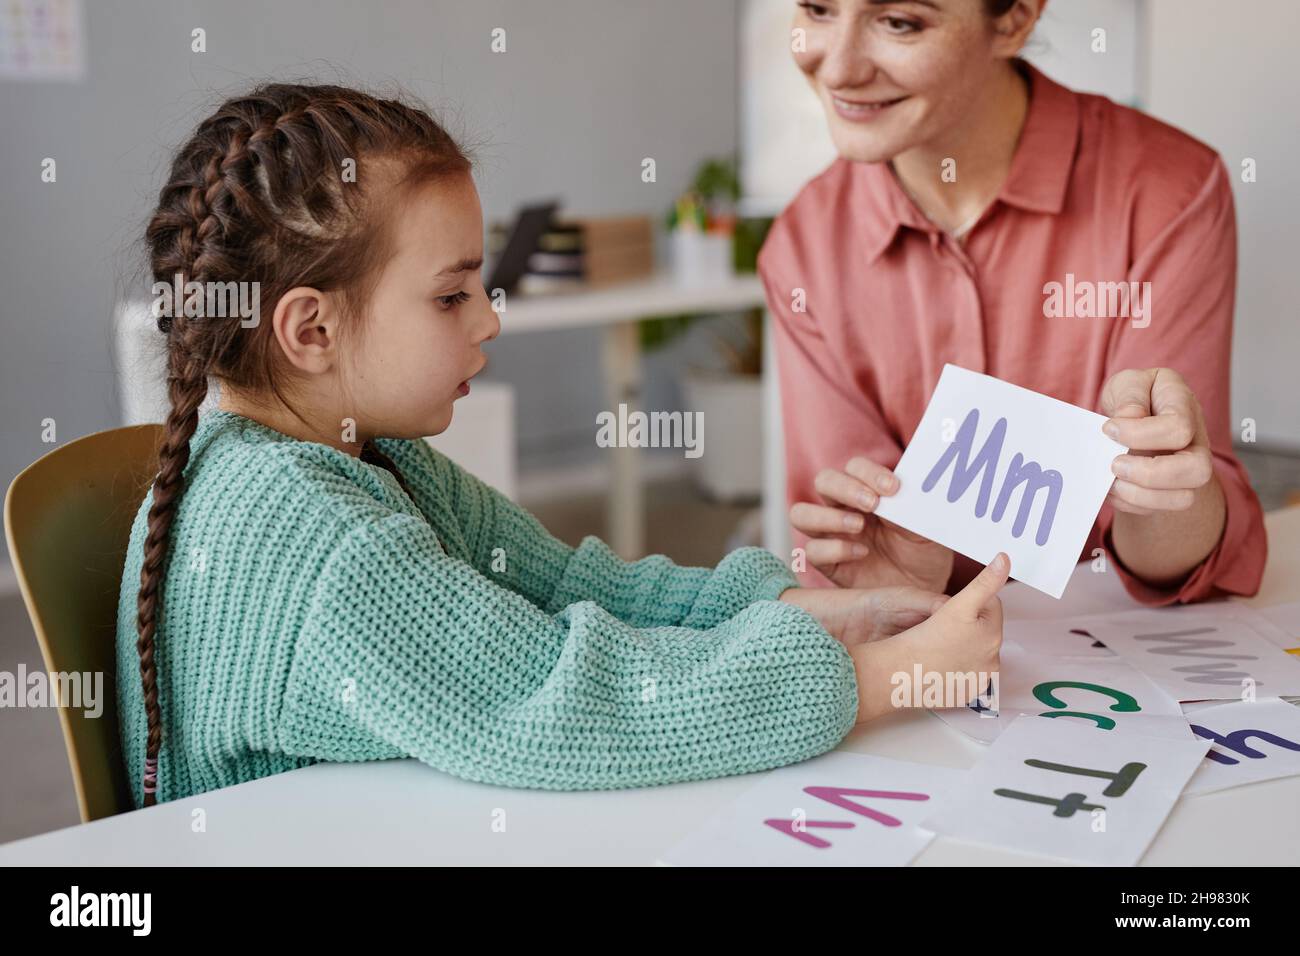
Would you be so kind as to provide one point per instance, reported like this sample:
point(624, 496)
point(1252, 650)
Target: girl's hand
point(1155, 413)
point(856, 617)
point(962, 636)
point(855, 549)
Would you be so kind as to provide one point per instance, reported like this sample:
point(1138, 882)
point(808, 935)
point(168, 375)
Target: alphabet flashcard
point(1069, 791)
point(839, 809)
point(996, 467)
point(1283, 628)
point(1218, 653)
point(1056, 637)
point(1250, 741)
point(1102, 692)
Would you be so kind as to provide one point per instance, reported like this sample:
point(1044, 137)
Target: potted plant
point(730, 396)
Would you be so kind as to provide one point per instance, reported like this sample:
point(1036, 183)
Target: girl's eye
point(815, 10)
point(451, 301)
point(899, 25)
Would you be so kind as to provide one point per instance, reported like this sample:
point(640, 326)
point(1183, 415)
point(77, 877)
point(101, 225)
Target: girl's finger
point(981, 591)
point(874, 476)
point(814, 519)
point(1151, 498)
point(823, 552)
point(838, 488)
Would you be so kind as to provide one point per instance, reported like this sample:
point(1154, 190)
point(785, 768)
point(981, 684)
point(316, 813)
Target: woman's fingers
point(906, 600)
point(841, 488)
point(1151, 410)
point(877, 477)
point(814, 519)
point(859, 485)
point(1189, 468)
point(1152, 499)
point(824, 552)
point(1119, 504)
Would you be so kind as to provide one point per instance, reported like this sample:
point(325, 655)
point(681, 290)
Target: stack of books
point(579, 253)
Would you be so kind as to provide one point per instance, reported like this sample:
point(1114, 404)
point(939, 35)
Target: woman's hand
point(1170, 508)
point(854, 548)
point(856, 617)
point(963, 636)
point(1155, 414)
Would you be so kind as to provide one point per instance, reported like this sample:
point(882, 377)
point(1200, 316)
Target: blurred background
point(667, 135)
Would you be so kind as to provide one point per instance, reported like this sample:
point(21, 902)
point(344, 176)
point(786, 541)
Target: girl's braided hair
point(261, 193)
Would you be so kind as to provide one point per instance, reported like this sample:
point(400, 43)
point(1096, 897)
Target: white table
point(402, 812)
point(617, 309)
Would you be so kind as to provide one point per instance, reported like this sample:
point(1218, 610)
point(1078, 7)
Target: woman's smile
point(859, 111)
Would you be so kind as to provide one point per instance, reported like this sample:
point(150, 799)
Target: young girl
point(308, 580)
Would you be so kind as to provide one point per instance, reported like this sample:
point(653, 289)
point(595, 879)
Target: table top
point(400, 812)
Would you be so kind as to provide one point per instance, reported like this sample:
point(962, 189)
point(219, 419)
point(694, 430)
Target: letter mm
point(985, 465)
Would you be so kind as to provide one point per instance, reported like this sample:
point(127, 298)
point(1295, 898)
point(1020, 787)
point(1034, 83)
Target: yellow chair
point(67, 520)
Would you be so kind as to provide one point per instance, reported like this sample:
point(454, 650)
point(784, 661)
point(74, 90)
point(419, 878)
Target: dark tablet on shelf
point(528, 228)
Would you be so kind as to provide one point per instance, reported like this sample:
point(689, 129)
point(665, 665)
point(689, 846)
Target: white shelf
point(660, 294)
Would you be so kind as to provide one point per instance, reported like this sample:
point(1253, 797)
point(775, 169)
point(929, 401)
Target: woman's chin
point(858, 146)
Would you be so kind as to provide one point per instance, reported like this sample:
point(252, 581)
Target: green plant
point(716, 178)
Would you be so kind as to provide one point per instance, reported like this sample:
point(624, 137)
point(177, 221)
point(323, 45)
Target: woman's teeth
point(851, 107)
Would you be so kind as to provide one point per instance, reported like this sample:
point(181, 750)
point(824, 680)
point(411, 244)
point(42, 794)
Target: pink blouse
point(870, 299)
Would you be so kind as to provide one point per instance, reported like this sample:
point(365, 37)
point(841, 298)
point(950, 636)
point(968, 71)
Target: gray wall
point(586, 89)
point(1232, 82)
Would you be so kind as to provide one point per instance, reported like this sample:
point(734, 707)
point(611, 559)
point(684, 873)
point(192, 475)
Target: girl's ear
point(306, 326)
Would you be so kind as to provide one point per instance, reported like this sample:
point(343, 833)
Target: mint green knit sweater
point(312, 611)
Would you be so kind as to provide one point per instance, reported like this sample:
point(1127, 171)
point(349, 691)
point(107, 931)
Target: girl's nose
point(489, 324)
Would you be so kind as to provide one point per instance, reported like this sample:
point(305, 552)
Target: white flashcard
point(1250, 741)
point(1060, 637)
point(1101, 692)
point(1069, 791)
point(839, 809)
point(996, 467)
point(1215, 654)
point(1284, 625)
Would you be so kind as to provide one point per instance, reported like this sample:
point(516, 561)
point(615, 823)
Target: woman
point(972, 195)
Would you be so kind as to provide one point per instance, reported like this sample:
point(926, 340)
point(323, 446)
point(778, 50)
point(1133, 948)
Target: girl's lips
point(862, 111)
point(463, 388)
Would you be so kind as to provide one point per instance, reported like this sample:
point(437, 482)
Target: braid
point(187, 386)
point(256, 194)
point(371, 455)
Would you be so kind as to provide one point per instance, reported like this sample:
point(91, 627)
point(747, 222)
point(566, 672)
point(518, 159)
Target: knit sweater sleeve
point(509, 545)
point(407, 650)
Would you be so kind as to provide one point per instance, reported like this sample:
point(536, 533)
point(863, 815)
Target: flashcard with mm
point(1070, 791)
point(839, 809)
point(996, 467)
point(1250, 741)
